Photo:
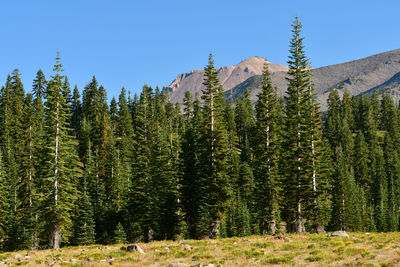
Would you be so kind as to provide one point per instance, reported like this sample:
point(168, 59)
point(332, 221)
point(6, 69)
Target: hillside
point(229, 76)
point(375, 72)
point(391, 86)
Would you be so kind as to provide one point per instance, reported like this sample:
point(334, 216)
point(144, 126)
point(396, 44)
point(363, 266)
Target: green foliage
point(267, 153)
point(119, 234)
point(79, 171)
point(58, 192)
point(306, 158)
point(213, 167)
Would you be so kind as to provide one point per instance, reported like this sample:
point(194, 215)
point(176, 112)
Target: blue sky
point(130, 43)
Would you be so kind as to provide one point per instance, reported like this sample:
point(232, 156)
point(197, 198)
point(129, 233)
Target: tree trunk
point(55, 237)
point(320, 229)
point(299, 220)
point(272, 227)
point(214, 229)
point(148, 235)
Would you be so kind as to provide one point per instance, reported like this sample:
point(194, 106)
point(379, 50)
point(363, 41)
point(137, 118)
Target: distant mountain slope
point(371, 73)
point(391, 86)
point(229, 76)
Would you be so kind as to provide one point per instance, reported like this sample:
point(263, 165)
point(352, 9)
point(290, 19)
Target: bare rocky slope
point(229, 76)
point(378, 72)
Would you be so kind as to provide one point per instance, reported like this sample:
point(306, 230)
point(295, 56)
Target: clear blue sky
point(130, 43)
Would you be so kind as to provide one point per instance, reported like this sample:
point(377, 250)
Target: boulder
point(123, 248)
point(18, 257)
point(287, 239)
point(186, 247)
point(133, 248)
point(339, 233)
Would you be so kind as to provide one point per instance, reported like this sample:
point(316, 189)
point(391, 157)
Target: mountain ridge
point(229, 76)
point(357, 76)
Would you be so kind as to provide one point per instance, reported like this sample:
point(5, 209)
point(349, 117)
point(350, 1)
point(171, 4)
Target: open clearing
point(360, 249)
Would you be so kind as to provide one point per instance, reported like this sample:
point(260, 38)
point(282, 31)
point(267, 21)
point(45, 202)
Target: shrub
point(315, 258)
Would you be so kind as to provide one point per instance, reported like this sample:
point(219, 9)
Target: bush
point(314, 258)
point(279, 260)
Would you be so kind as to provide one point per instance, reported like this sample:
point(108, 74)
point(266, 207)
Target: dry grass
point(303, 250)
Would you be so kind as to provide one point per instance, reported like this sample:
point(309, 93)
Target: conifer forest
point(77, 168)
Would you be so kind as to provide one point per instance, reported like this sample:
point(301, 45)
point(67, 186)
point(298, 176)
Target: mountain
point(229, 76)
point(377, 72)
point(391, 87)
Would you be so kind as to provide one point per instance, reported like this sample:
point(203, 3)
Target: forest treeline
point(78, 170)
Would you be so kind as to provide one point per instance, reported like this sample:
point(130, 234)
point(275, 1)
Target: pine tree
point(143, 197)
point(189, 159)
point(361, 162)
point(13, 101)
point(363, 178)
point(124, 135)
point(297, 172)
point(85, 225)
point(27, 173)
point(390, 122)
point(214, 187)
point(347, 110)
point(58, 194)
point(380, 192)
point(39, 87)
point(333, 120)
point(244, 118)
point(39, 84)
point(173, 208)
point(3, 204)
point(266, 157)
point(392, 169)
point(119, 234)
point(320, 159)
point(346, 209)
point(113, 115)
point(76, 109)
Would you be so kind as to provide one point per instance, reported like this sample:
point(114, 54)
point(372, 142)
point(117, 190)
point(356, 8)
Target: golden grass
point(361, 249)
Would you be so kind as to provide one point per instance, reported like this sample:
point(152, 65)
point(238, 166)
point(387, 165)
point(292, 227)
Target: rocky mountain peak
point(229, 76)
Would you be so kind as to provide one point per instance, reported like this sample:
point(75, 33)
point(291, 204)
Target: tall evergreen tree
point(143, 197)
point(76, 109)
point(13, 101)
point(266, 154)
point(392, 169)
point(190, 160)
point(333, 120)
point(298, 176)
point(363, 178)
point(27, 172)
point(346, 206)
point(58, 195)
point(213, 174)
point(124, 135)
point(3, 204)
point(85, 225)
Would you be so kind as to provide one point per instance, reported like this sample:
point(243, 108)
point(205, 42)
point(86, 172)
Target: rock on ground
point(339, 233)
point(134, 248)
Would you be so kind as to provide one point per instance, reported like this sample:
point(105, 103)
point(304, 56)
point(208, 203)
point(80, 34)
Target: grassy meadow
point(360, 249)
